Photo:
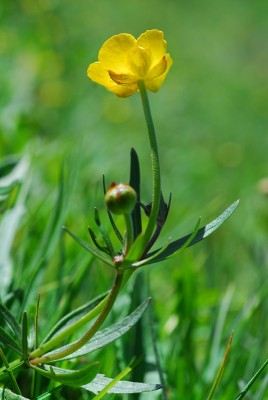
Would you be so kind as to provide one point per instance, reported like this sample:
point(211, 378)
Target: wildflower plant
point(125, 66)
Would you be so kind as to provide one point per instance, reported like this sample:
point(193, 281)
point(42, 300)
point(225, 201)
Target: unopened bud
point(120, 198)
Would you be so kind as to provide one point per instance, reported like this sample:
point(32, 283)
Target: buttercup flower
point(124, 61)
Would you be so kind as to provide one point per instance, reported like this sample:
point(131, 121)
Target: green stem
point(10, 373)
point(89, 334)
point(155, 165)
point(72, 328)
point(130, 232)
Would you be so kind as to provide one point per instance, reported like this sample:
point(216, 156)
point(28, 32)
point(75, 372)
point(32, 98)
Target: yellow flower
point(124, 61)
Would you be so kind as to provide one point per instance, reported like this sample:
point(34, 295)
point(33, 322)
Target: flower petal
point(157, 70)
point(98, 74)
point(153, 40)
point(123, 79)
point(155, 84)
point(114, 53)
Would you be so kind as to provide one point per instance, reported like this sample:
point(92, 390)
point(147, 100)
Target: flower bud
point(120, 198)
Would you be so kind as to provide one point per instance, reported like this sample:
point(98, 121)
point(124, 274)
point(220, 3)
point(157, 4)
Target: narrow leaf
point(69, 377)
point(220, 372)
point(90, 249)
point(134, 181)
point(74, 316)
point(200, 235)
point(10, 372)
point(6, 394)
point(108, 335)
point(96, 242)
point(121, 387)
point(49, 393)
point(121, 375)
point(11, 321)
point(104, 234)
point(9, 341)
point(24, 336)
point(252, 380)
point(5, 190)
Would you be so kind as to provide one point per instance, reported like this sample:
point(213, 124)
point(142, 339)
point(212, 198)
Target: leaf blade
point(201, 234)
point(108, 335)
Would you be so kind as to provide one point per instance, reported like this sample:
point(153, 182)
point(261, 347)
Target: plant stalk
point(156, 195)
point(109, 301)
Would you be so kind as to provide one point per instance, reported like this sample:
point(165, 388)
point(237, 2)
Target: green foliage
point(211, 119)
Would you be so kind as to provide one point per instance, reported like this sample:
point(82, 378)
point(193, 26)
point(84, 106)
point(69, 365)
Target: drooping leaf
point(5, 315)
point(201, 234)
point(74, 316)
point(121, 387)
point(89, 248)
point(69, 377)
point(6, 394)
point(107, 335)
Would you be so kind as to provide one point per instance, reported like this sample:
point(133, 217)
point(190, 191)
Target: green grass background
point(211, 122)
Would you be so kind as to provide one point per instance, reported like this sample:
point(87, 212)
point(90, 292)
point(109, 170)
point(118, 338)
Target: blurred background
point(211, 122)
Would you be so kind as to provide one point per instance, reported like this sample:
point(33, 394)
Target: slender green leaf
point(24, 336)
point(134, 181)
point(9, 341)
point(220, 372)
point(252, 380)
point(6, 394)
point(90, 249)
point(74, 316)
point(5, 190)
point(108, 335)
point(10, 372)
point(69, 377)
point(121, 387)
point(49, 393)
point(11, 321)
point(8, 228)
point(96, 242)
point(200, 235)
point(104, 234)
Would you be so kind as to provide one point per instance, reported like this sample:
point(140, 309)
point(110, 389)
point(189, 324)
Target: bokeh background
point(211, 122)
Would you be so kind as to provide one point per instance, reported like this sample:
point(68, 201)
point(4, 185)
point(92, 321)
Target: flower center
point(139, 60)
